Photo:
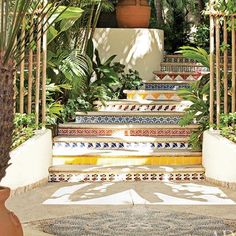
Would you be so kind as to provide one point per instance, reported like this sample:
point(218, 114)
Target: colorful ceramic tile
point(153, 95)
point(179, 160)
point(155, 132)
point(177, 77)
point(64, 148)
point(140, 107)
point(166, 86)
point(98, 177)
point(178, 59)
point(182, 68)
point(122, 119)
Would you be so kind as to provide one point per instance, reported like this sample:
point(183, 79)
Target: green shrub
point(24, 128)
point(228, 126)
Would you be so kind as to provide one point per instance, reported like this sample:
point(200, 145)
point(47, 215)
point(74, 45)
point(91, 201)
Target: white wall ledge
point(30, 162)
point(219, 158)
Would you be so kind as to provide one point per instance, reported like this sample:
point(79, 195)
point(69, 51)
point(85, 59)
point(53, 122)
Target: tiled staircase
point(134, 139)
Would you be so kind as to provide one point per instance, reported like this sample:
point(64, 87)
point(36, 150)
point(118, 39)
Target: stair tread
point(143, 102)
point(124, 169)
point(181, 72)
point(149, 91)
point(196, 64)
point(141, 139)
point(168, 81)
point(124, 126)
point(131, 153)
point(131, 113)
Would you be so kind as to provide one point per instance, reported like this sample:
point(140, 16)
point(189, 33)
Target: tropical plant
point(24, 128)
point(68, 62)
point(198, 94)
point(228, 127)
point(13, 16)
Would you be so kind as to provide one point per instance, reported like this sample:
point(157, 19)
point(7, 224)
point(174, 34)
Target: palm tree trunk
point(159, 9)
point(6, 113)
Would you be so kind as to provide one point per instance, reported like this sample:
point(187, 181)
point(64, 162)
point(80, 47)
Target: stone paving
point(58, 200)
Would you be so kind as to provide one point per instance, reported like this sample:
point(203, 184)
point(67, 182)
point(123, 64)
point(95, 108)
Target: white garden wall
point(139, 49)
point(30, 162)
point(219, 158)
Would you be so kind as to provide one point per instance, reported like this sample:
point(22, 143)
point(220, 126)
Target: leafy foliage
point(196, 53)
point(104, 81)
point(198, 112)
point(24, 128)
point(198, 94)
point(228, 127)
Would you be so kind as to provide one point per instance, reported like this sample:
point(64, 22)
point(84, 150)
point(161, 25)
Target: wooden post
point(38, 71)
point(30, 69)
point(212, 49)
point(22, 67)
point(217, 71)
point(44, 77)
point(233, 65)
point(225, 67)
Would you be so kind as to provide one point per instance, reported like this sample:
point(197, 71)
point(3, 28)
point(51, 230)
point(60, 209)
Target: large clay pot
point(133, 13)
point(9, 223)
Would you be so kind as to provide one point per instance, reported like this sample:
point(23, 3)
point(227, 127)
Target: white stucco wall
point(219, 157)
point(30, 161)
point(139, 49)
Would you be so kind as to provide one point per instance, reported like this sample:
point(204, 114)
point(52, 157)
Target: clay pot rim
point(4, 189)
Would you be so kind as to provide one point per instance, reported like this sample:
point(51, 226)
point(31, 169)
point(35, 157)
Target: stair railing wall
point(222, 47)
point(31, 74)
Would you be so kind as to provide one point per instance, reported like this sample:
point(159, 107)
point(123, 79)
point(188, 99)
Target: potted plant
point(13, 17)
point(133, 13)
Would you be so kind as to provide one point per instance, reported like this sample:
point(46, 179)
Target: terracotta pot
point(9, 223)
point(133, 13)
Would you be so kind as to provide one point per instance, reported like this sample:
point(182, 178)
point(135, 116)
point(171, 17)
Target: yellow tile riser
point(171, 97)
point(124, 161)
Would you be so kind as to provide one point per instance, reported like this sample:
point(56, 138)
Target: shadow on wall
point(139, 49)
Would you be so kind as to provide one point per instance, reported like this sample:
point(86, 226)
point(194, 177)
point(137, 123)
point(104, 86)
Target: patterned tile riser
point(155, 96)
point(66, 146)
point(169, 132)
point(177, 77)
point(138, 107)
point(184, 68)
point(106, 119)
point(72, 177)
point(178, 60)
point(118, 160)
point(154, 86)
point(187, 61)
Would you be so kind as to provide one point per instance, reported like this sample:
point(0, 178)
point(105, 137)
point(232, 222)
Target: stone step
point(183, 67)
point(164, 118)
point(76, 145)
point(78, 173)
point(145, 106)
point(120, 158)
point(73, 129)
point(161, 95)
point(178, 76)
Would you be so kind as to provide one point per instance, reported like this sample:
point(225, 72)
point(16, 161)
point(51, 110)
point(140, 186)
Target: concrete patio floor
point(56, 200)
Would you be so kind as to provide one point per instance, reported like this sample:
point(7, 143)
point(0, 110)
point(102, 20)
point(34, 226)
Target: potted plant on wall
point(13, 17)
point(133, 13)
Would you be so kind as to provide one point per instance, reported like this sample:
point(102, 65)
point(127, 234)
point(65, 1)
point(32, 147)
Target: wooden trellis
point(222, 65)
point(31, 75)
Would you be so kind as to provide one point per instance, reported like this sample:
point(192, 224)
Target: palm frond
point(16, 13)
